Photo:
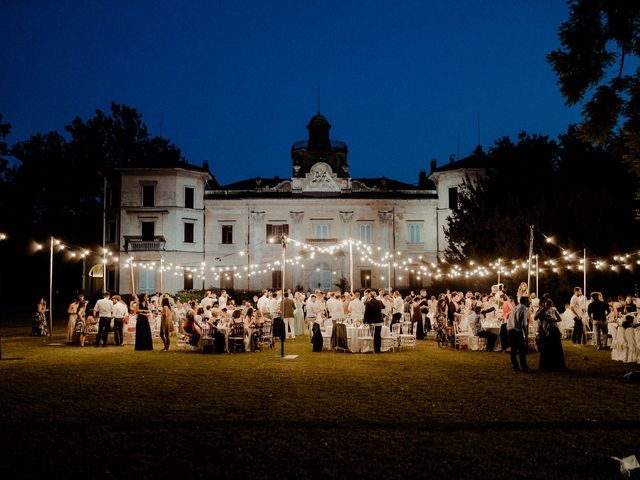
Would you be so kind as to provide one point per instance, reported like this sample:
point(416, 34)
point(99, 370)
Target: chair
point(476, 343)
point(236, 338)
point(326, 335)
point(407, 338)
point(265, 338)
point(389, 343)
point(461, 337)
point(365, 338)
point(184, 341)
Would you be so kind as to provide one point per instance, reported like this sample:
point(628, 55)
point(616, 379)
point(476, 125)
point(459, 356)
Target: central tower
point(319, 148)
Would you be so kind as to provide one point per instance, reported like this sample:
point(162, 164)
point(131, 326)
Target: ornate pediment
point(320, 178)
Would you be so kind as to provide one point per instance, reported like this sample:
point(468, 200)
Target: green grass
point(117, 413)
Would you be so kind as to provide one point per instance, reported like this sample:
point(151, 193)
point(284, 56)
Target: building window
point(227, 234)
point(453, 198)
point(148, 195)
point(112, 232)
point(415, 233)
point(148, 231)
point(321, 277)
point(188, 197)
point(188, 280)
point(322, 231)
point(111, 280)
point(147, 281)
point(366, 235)
point(226, 280)
point(365, 278)
point(276, 279)
point(188, 233)
point(275, 232)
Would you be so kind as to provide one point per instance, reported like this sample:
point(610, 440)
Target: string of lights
point(366, 253)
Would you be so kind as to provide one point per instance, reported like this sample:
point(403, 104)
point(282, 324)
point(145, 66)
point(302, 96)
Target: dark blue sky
point(235, 81)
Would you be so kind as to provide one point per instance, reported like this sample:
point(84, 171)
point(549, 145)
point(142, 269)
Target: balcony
point(321, 241)
point(137, 244)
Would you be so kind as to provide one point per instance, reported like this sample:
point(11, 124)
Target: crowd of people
point(512, 320)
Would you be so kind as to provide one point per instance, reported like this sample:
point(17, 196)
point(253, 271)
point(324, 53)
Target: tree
point(499, 207)
point(597, 42)
point(59, 181)
point(558, 187)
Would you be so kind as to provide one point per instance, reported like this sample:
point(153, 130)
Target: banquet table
point(352, 336)
point(493, 326)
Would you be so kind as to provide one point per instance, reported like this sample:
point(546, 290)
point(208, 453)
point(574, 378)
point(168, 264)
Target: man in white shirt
point(119, 312)
point(222, 299)
point(356, 308)
point(207, 301)
point(275, 306)
point(335, 308)
point(103, 310)
point(578, 306)
point(397, 308)
point(263, 303)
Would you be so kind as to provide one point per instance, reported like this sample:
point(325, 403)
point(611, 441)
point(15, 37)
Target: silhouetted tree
point(583, 194)
point(597, 41)
point(61, 181)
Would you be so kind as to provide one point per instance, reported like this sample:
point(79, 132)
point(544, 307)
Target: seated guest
point(475, 328)
point(192, 328)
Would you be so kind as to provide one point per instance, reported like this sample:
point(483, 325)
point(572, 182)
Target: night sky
point(235, 82)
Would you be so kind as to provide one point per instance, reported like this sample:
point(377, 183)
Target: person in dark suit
point(373, 316)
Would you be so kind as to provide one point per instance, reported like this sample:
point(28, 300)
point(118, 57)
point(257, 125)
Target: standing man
point(288, 307)
point(373, 316)
point(119, 312)
point(334, 307)
point(397, 308)
point(263, 303)
point(517, 328)
point(598, 311)
point(104, 311)
point(578, 307)
point(356, 308)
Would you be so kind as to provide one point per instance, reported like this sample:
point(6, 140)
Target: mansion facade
point(173, 227)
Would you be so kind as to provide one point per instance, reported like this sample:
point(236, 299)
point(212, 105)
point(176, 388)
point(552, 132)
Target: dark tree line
point(581, 193)
point(52, 184)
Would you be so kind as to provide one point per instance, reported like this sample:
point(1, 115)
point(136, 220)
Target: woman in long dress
point(166, 324)
point(298, 314)
point(80, 327)
point(72, 311)
point(550, 344)
point(144, 340)
point(39, 326)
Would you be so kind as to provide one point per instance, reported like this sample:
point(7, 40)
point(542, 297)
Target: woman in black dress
point(549, 338)
point(143, 330)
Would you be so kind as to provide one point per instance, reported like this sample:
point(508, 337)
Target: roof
point(305, 144)
point(380, 187)
point(476, 160)
point(166, 163)
point(394, 185)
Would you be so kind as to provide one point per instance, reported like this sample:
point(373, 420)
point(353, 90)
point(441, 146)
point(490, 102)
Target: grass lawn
point(117, 413)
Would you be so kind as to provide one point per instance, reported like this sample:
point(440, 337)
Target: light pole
point(283, 240)
point(351, 265)
point(51, 288)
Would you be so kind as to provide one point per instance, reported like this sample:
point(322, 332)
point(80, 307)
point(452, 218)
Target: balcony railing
point(321, 240)
point(137, 244)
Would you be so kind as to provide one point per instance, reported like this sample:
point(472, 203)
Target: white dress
point(619, 346)
point(631, 351)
